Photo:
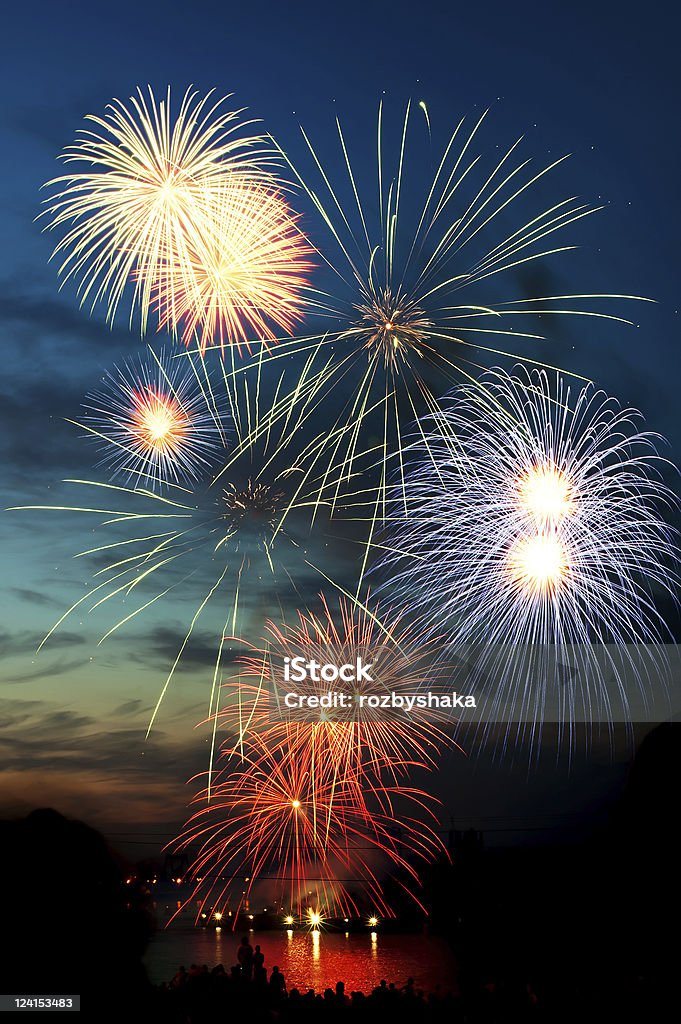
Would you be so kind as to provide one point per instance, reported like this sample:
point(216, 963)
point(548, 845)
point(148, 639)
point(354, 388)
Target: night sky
point(589, 79)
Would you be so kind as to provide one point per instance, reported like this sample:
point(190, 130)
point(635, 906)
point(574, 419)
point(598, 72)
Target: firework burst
point(154, 192)
point(244, 276)
point(320, 844)
point(536, 518)
point(155, 422)
point(248, 521)
point(418, 294)
point(256, 506)
point(359, 740)
point(311, 802)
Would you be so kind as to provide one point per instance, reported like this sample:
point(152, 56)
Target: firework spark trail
point(271, 820)
point(249, 520)
point(363, 742)
point(183, 208)
point(535, 517)
point(245, 274)
point(156, 422)
point(395, 323)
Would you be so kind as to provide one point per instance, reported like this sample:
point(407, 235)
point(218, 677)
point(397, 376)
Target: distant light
point(218, 929)
point(218, 916)
point(288, 919)
point(295, 804)
point(314, 917)
point(346, 919)
point(374, 937)
point(204, 916)
point(373, 921)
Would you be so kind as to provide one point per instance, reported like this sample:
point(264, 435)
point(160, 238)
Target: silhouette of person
point(245, 958)
point(277, 982)
point(340, 997)
point(180, 977)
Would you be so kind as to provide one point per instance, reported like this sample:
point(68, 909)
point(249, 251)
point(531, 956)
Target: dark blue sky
point(597, 80)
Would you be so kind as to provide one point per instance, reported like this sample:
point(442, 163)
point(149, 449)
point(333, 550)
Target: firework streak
point(305, 804)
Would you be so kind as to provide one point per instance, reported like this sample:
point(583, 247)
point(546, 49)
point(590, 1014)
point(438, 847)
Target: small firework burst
point(393, 325)
point(138, 209)
point(245, 273)
point(253, 508)
point(156, 422)
point(536, 519)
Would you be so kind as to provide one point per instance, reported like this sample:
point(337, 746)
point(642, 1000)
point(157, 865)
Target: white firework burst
point(536, 517)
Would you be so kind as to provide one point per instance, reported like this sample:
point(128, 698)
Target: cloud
point(78, 756)
point(34, 596)
point(27, 642)
point(15, 712)
point(54, 353)
point(160, 647)
point(46, 671)
point(38, 316)
point(66, 721)
point(128, 707)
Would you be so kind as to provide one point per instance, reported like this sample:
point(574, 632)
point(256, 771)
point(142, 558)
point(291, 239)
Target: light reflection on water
point(312, 960)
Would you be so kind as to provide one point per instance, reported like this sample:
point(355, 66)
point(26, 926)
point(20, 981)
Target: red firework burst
point(321, 842)
point(361, 740)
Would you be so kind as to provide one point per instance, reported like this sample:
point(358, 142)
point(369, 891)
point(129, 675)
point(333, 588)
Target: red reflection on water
point(310, 960)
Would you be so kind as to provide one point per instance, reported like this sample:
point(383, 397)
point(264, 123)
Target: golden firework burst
point(136, 207)
point(244, 274)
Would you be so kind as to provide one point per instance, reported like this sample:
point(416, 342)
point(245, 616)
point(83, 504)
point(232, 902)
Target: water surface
point(311, 960)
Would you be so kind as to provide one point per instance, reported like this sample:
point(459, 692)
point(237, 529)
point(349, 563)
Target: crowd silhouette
point(583, 934)
point(250, 990)
point(249, 987)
